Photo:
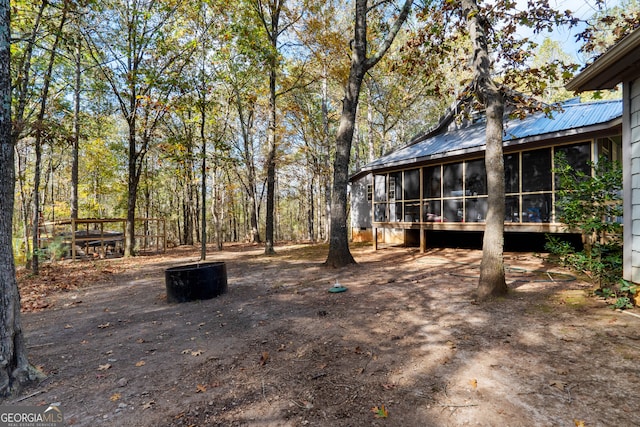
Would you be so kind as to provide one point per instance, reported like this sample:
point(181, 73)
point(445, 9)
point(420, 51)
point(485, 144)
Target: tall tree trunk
point(492, 277)
point(133, 179)
point(14, 364)
point(271, 160)
point(203, 178)
point(44, 94)
point(339, 253)
point(76, 132)
point(326, 156)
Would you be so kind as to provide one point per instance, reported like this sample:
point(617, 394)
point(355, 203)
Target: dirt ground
point(405, 345)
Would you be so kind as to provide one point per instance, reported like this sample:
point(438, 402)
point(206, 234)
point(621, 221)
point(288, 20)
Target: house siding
point(360, 211)
point(631, 156)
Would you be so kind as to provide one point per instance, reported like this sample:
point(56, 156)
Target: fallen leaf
point(579, 423)
point(380, 412)
point(473, 383)
point(560, 385)
point(104, 367)
point(264, 357)
point(200, 388)
point(140, 363)
point(115, 397)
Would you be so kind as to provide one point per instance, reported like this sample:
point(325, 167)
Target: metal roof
point(572, 118)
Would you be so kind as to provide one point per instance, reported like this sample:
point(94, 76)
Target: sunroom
point(438, 182)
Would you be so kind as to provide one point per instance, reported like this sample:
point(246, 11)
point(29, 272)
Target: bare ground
point(406, 345)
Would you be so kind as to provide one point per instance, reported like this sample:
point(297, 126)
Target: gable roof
point(572, 119)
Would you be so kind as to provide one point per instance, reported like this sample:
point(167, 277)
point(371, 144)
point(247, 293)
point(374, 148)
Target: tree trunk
point(271, 163)
point(492, 280)
point(44, 94)
point(339, 253)
point(76, 133)
point(14, 365)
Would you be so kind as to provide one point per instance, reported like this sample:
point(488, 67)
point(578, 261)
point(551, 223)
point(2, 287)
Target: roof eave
point(614, 66)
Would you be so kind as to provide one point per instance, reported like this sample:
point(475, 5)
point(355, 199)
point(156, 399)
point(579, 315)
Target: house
point(436, 184)
point(621, 64)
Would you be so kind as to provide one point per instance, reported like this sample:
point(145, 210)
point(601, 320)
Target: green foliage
point(592, 204)
point(56, 249)
point(622, 294)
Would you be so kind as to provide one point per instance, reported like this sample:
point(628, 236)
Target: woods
point(239, 120)
point(225, 111)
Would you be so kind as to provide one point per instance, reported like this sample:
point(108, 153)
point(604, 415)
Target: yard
point(405, 345)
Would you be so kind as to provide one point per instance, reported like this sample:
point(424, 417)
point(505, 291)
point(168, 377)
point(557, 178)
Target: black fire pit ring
point(193, 282)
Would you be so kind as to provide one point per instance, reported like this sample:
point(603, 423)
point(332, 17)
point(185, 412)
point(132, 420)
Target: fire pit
point(195, 281)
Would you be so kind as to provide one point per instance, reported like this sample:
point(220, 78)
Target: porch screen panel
point(475, 178)
point(452, 180)
point(475, 209)
point(380, 199)
point(431, 182)
point(512, 209)
point(380, 184)
point(453, 210)
point(578, 157)
point(395, 196)
point(511, 173)
point(432, 211)
point(412, 184)
point(536, 170)
point(536, 208)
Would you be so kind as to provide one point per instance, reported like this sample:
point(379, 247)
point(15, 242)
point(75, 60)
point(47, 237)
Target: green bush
point(592, 204)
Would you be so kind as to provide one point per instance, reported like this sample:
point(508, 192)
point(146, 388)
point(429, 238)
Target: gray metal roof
point(573, 118)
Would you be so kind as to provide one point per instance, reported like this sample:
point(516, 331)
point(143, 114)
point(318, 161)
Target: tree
point(492, 279)
point(361, 62)
point(500, 60)
point(14, 364)
point(44, 95)
point(139, 56)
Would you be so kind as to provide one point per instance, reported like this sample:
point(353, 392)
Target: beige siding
point(631, 167)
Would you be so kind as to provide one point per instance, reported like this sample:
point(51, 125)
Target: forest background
point(133, 107)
